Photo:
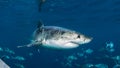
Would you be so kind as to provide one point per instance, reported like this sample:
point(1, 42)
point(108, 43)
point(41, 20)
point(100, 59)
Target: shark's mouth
point(75, 43)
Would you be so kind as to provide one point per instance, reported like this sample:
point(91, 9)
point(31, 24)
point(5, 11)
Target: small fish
point(57, 37)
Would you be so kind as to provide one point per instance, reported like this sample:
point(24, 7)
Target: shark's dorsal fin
point(40, 24)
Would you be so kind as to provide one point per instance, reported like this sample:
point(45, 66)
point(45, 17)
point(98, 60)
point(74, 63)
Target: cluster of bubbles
point(72, 60)
point(6, 53)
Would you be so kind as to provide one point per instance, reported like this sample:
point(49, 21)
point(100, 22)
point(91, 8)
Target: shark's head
point(75, 39)
point(80, 39)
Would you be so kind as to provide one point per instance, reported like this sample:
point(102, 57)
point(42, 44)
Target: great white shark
point(57, 37)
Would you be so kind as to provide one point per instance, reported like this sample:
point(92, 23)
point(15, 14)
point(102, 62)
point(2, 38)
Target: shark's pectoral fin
point(28, 45)
point(31, 44)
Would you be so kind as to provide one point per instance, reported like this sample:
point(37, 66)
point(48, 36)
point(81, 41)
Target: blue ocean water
point(99, 19)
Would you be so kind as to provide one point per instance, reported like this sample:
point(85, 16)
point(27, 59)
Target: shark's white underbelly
point(60, 44)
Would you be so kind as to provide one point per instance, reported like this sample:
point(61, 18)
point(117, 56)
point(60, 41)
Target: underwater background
point(99, 19)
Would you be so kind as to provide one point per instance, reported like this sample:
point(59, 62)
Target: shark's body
point(57, 37)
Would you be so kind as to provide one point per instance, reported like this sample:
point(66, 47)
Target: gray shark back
point(51, 32)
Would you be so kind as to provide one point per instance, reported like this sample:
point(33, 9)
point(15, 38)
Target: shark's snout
point(87, 40)
point(84, 39)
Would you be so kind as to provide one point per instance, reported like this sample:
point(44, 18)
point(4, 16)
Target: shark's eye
point(78, 36)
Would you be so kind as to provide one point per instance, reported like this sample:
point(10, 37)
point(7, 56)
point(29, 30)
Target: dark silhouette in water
point(40, 3)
